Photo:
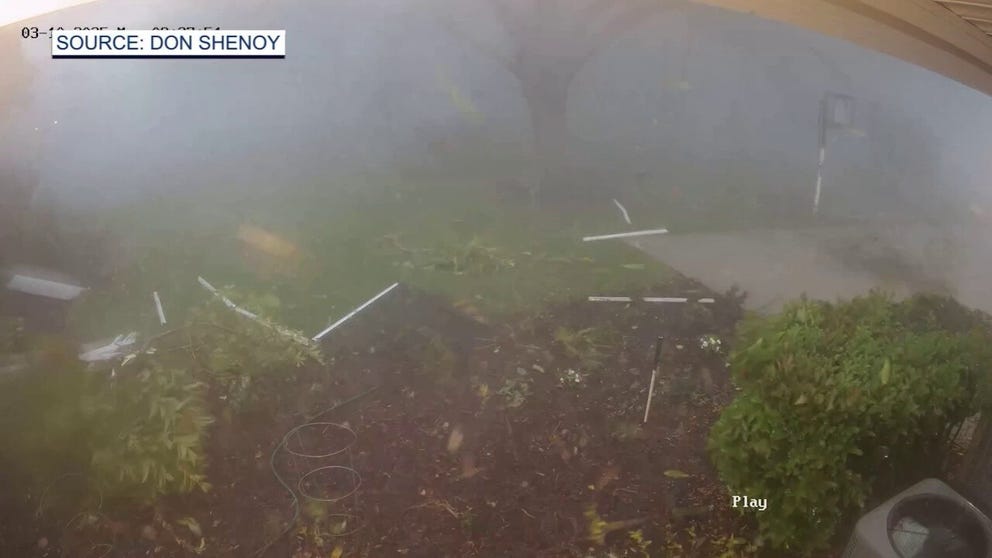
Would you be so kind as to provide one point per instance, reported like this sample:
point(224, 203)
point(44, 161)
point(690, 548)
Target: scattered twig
point(438, 504)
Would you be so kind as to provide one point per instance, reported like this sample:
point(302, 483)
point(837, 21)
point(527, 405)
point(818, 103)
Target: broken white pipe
point(647, 408)
point(227, 302)
point(625, 235)
point(158, 307)
point(654, 375)
point(351, 314)
point(610, 299)
point(623, 210)
point(252, 316)
point(657, 299)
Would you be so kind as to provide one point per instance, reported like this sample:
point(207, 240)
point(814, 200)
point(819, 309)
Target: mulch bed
point(476, 441)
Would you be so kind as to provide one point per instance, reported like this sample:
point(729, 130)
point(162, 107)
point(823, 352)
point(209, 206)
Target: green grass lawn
point(461, 240)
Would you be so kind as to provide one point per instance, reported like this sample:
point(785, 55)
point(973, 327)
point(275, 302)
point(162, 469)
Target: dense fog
point(370, 85)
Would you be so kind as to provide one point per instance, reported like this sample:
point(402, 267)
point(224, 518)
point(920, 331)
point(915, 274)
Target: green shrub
point(136, 428)
point(234, 350)
point(146, 430)
point(836, 397)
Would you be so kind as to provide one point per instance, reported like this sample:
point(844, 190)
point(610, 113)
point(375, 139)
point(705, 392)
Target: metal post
point(654, 376)
point(823, 154)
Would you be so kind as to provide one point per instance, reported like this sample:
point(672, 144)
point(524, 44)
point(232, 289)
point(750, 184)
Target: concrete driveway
point(829, 263)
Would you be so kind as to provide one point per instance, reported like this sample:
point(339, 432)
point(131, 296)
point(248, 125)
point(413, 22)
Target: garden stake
point(654, 375)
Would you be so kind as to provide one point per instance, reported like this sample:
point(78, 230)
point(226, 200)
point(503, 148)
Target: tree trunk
point(546, 92)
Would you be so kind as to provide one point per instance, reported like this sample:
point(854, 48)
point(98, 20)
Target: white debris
point(119, 346)
point(570, 378)
point(158, 307)
point(297, 337)
point(227, 302)
point(625, 235)
point(710, 343)
point(623, 210)
point(653, 299)
point(33, 284)
point(355, 311)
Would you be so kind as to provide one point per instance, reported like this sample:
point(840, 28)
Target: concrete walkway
point(829, 263)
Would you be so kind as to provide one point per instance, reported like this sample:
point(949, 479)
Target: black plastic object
point(952, 530)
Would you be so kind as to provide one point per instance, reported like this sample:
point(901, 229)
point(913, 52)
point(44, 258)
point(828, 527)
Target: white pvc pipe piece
point(351, 314)
point(623, 210)
point(647, 407)
point(158, 308)
point(610, 299)
point(227, 302)
point(625, 235)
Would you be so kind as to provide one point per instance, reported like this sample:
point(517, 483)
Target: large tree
point(547, 43)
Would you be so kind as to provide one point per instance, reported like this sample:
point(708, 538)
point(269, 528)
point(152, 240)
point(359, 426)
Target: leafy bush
point(234, 350)
point(136, 427)
point(836, 397)
point(146, 431)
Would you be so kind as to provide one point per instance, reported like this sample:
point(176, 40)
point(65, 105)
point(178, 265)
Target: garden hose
point(283, 443)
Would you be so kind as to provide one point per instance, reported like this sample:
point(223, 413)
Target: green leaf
point(886, 372)
point(676, 474)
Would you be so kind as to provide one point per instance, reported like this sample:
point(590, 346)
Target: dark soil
point(476, 440)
